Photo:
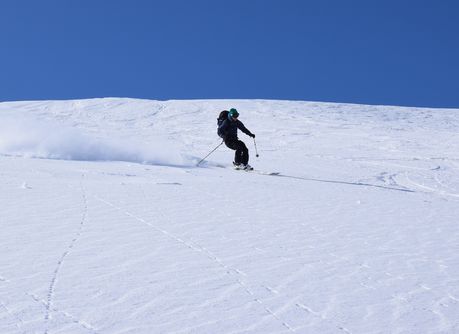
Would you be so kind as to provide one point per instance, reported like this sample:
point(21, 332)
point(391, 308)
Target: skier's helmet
point(233, 113)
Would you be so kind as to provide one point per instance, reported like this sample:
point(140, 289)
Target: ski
point(256, 171)
point(264, 173)
point(248, 169)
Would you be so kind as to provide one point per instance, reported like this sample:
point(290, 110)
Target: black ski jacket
point(228, 129)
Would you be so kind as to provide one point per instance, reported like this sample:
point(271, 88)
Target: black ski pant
point(242, 153)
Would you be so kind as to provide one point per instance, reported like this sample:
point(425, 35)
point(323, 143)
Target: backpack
point(221, 118)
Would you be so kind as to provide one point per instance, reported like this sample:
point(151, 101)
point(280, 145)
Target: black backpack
point(221, 118)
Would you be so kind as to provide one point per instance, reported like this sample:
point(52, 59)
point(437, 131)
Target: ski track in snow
point(48, 303)
point(274, 291)
point(201, 250)
point(51, 290)
point(429, 189)
point(391, 180)
point(19, 322)
point(70, 317)
point(344, 182)
point(242, 277)
point(49, 307)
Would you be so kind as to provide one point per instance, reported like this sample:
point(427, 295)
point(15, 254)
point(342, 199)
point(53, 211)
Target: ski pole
point(210, 153)
point(256, 151)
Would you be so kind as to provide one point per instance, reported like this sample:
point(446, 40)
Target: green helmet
point(233, 113)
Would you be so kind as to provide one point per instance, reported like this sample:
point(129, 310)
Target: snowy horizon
point(108, 225)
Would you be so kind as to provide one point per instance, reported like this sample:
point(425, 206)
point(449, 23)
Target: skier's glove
point(252, 135)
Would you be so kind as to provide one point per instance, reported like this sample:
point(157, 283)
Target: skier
point(227, 129)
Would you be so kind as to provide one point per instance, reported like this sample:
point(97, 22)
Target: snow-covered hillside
point(107, 225)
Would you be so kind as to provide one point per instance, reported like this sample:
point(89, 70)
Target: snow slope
point(107, 226)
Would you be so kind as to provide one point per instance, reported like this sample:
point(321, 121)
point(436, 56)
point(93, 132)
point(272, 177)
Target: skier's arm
point(241, 127)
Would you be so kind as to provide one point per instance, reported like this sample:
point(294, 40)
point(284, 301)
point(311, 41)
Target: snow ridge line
point(199, 249)
point(52, 285)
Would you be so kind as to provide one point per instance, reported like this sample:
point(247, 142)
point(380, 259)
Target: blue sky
point(392, 52)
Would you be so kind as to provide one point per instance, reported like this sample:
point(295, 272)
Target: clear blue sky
point(399, 52)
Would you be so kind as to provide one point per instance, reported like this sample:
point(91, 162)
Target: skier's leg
point(234, 145)
point(238, 154)
point(244, 152)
